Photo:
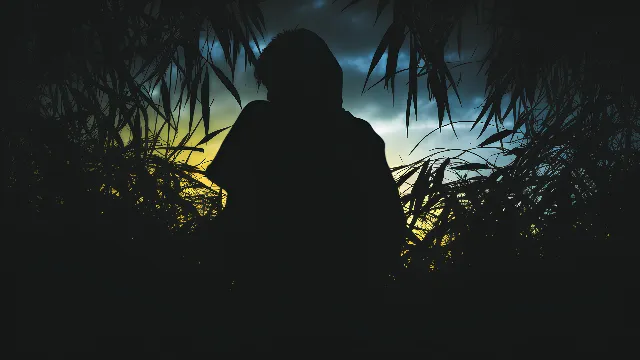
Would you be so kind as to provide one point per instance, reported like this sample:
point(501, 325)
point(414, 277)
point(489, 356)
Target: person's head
point(297, 66)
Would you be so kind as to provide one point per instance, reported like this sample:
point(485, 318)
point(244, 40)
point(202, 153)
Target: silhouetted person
point(312, 205)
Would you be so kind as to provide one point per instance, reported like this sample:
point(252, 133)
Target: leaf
point(395, 43)
point(384, 77)
point(439, 174)
point(413, 82)
point(443, 218)
point(243, 10)
point(234, 53)
point(204, 101)
point(226, 82)
point(187, 50)
point(381, 5)
point(135, 90)
point(193, 98)
point(404, 177)
point(485, 108)
point(382, 47)
point(353, 2)
point(182, 148)
point(439, 92)
point(166, 100)
point(136, 129)
point(516, 151)
point(405, 199)
point(434, 130)
point(419, 192)
point(85, 102)
point(471, 166)
point(496, 137)
point(225, 43)
point(66, 102)
point(211, 136)
point(124, 115)
point(155, 108)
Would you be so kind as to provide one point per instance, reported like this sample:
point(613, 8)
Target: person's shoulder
point(364, 128)
point(256, 106)
point(250, 113)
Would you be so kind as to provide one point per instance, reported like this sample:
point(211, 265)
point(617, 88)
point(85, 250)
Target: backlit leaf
point(471, 166)
point(204, 101)
point(166, 101)
point(226, 82)
point(496, 137)
point(211, 136)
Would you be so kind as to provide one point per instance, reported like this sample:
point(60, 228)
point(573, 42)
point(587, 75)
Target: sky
point(353, 38)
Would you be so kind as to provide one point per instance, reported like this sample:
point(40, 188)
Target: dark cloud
point(348, 32)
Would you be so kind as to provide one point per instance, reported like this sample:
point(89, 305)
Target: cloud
point(317, 4)
point(353, 38)
point(362, 62)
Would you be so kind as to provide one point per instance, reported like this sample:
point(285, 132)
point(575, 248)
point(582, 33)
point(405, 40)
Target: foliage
point(93, 148)
point(573, 148)
point(88, 113)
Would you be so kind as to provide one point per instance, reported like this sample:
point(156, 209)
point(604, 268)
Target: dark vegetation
point(107, 222)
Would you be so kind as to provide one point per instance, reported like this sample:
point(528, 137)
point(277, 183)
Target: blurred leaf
point(496, 137)
point(226, 82)
point(439, 91)
point(432, 131)
point(211, 136)
point(396, 39)
point(382, 4)
point(419, 192)
point(166, 102)
point(439, 174)
point(413, 82)
point(471, 166)
point(516, 151)
point(181, 148)
point(404, 177)
point(204, 101)
point(380, 50)
point(249, 18)
point(193, 98)
point(85, 102)
point(353, 2)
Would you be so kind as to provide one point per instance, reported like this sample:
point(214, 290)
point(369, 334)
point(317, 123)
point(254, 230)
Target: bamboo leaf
point(85, 102)
point(382, 4)
point(439, 174)
point(471, 166)
point(413, 82)
point(404, 177)
point(496, 137)
point(211, 136)
point(382, 47)
point(226, 82)
point(166, 101)
point(395, 43)
point(225, 43)
point(419, 191)
point(181, 148)
point(155, 108)
point(204, 101)
point(353, 2)
point(243, 10)
point(193, 98)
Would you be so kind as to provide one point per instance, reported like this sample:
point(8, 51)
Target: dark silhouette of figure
point(313, 210)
